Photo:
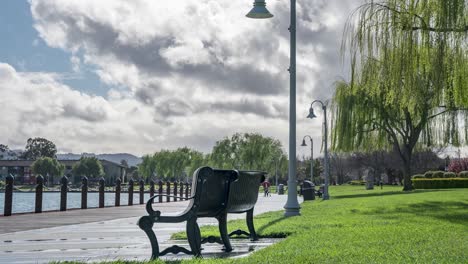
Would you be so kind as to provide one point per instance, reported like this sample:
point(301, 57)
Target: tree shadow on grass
point(454, 212)
point(373, 194)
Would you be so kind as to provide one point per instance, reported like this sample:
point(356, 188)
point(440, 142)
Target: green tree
point(132, 171)
point(248, 151)
point(197, 160)
point(172, 164)
point(48, 167)
point(90, 167)
point(226, 152)
point(39, 147)
point(3, 149)
point(147, 168)
point(409, 79)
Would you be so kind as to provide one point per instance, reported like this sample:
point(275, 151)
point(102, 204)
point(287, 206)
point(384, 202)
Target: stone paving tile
point(106, 239)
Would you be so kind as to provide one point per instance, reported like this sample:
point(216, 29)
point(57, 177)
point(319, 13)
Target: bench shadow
point(274, 235)
point(384, 194)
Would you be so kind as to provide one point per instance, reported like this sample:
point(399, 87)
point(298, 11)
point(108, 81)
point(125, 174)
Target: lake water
point(25, 202)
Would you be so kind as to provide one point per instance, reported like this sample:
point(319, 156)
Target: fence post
point(181, 190)
point(168, 191)
point(39, 189)
point(130, 192)
point(186, 190)
point(8, 195)
point(101, 192)
point(175, 191)
point(160, 191)
point(118, 189)
point(152, 189)
point(63, 193)
point(84, 192)
point(142, 191)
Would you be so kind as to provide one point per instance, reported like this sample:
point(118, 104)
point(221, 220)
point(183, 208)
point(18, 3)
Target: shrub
point(2, 184)
point(357, 183)
point(437, 174)
point(428, 174)
point(463, 174)
point(450, 175)
point(440, 183)
point(418, 176)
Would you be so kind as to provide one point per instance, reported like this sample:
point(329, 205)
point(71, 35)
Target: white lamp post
point(311, 115)
point(291, 207)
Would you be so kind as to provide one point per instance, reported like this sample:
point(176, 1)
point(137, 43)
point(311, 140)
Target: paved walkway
point(104, 234)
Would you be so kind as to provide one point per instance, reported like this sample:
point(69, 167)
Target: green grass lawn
point(359, 226)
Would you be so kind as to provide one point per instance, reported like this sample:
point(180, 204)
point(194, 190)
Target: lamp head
point(259, 10)
point(311, 113)
point(303, 143)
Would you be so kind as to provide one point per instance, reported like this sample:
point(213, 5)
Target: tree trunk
point(406, 157)
point(408, 153)
point(407, 184)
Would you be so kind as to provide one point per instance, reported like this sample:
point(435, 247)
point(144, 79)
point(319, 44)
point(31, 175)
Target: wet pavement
point(91, 235)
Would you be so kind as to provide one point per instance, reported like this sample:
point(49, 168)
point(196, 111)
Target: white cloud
point(76, 64)
point(38, 105)
point(195, 71)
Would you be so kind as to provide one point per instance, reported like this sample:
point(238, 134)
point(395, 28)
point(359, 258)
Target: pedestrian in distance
point(266, 188)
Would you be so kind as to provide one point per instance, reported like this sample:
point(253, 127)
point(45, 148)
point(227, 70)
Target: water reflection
point(24, 202)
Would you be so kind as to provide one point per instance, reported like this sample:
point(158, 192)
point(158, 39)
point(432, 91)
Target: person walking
point(266, 188)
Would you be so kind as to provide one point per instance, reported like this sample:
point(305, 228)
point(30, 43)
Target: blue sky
point(22, 47)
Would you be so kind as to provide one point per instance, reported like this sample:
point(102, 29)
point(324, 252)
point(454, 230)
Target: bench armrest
point(149, 203)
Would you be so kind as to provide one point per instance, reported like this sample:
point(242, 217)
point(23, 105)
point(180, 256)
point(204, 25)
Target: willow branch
point(447, 110)
point(432, 29)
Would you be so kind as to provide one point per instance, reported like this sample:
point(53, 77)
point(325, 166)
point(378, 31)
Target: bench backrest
point(210, 189)
point(243, 193)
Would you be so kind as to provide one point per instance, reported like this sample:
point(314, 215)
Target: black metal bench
point(210, 190)
point(243, 196)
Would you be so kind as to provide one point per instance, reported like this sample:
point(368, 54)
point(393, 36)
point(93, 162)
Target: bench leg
point(250, 225)
point(193, 236)
point(146, 224)
point(222, 220)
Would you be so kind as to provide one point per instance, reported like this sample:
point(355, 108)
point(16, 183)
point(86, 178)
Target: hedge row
point(440, 183)
point(440, 174)
point(357, 183)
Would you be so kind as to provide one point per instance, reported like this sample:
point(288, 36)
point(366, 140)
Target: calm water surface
point(24, 202)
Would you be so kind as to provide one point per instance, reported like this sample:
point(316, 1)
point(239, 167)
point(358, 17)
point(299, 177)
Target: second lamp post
point(311, 115)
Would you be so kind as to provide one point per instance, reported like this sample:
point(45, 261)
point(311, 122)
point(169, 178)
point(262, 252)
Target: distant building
point(21, 169)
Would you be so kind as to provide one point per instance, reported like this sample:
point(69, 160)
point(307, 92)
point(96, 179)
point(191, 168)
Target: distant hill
point(132, 160)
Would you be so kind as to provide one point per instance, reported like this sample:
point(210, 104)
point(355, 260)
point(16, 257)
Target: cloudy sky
point(138, 76)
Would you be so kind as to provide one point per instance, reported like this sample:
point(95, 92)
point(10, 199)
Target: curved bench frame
point(198, 207)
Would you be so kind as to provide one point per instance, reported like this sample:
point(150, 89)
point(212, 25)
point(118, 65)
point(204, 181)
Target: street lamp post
point(311, 115)
point(311, 155)
point(276, 176)
point(291, 207)
point(277, 161)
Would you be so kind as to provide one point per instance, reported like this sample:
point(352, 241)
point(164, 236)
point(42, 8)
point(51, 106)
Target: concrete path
point(106, 234)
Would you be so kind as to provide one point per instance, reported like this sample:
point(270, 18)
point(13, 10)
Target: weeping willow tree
point(409, 78)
